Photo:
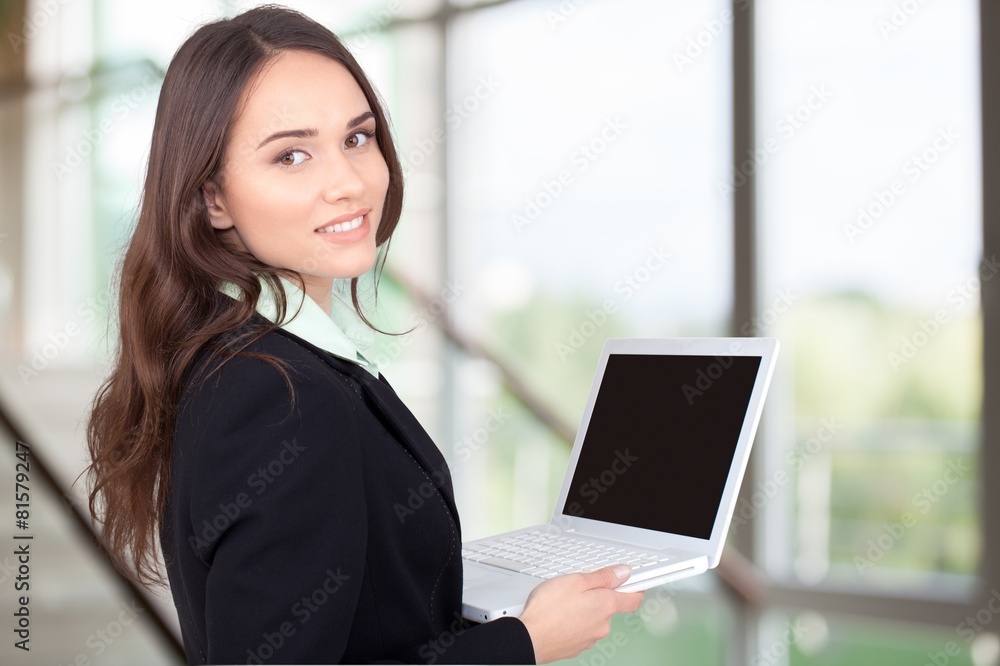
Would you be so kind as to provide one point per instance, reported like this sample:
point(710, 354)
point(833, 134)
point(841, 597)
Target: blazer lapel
point(399, 419)
point(384, 402)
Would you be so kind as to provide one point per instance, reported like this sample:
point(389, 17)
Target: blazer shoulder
point(276, 368)
point(271, 348)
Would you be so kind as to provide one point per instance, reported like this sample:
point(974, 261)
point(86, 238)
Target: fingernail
point(622, 571)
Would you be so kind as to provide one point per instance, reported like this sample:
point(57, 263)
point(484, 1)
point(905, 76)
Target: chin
point(346, 270)
point(341, 263)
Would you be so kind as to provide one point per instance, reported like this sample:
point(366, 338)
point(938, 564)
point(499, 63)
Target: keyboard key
point(544, 555)
point(506, 564)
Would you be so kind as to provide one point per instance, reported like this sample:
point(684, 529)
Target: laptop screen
point(661, 440)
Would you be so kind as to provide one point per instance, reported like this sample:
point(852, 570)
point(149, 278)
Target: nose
point(344, 180)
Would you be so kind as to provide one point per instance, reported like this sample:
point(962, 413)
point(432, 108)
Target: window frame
point(927, 607)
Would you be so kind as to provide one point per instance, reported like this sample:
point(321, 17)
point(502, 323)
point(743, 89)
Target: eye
point(291, 158)
point(359, 138)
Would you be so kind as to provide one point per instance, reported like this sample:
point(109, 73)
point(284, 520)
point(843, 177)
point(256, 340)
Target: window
point(869, 220)
point(581, 207)
point(573, 174)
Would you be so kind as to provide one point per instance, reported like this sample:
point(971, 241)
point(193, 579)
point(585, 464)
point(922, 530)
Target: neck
point(321, 291)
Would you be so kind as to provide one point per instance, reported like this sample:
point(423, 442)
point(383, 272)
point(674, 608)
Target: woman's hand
point(569, 614)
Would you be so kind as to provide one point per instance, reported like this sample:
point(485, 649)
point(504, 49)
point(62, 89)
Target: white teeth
point(342, 226)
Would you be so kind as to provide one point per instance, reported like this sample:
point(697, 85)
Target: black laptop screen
point(661, 440)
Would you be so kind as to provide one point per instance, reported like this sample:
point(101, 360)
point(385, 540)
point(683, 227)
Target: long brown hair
point(169, 308)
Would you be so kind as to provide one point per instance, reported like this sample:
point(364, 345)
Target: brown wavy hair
point(169, 310)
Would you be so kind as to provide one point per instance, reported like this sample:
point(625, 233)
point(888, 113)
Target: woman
point(243, 424)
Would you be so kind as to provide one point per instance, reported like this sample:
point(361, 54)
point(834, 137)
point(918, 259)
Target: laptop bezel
point(767, 350)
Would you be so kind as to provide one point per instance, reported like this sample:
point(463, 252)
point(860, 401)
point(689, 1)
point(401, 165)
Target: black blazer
point(319, 531)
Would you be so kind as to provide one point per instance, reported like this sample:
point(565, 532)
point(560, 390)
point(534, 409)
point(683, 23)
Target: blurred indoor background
point(582, 169)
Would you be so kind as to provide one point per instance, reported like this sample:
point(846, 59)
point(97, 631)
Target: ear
point(215, 202)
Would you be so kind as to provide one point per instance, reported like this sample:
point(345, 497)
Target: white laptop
point(653, 476)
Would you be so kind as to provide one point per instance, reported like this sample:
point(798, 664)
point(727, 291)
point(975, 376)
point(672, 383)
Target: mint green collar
point(342, 333)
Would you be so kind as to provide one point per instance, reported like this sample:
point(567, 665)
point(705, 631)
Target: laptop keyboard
point(545, 555)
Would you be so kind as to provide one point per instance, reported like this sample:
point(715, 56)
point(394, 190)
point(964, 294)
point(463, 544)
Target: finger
point(630, 601)
point(609, 577)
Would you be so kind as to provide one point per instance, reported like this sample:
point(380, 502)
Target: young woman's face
point(303, 180)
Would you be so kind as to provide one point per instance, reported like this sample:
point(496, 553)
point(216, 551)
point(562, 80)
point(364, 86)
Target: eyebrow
point(310, 132)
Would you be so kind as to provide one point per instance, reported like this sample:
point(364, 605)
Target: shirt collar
point(342, 333)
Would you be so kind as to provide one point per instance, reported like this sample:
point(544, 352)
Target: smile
point(341, 227)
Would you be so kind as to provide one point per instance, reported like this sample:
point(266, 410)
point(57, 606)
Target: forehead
point(296, 90)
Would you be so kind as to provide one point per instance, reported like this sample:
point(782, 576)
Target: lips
point(344, 223)
point(347, 229)
point(341, 227)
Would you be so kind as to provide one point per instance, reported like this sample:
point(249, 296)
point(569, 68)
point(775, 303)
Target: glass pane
point(678, 624)
point(406, 67)
point(76, 610)
point(814, 639)
point(581, 203)
point(870, 238)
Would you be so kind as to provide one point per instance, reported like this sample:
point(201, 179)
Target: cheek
point(264, 204)
point(376, 170)
point(379, 180)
